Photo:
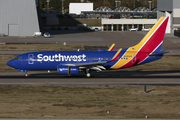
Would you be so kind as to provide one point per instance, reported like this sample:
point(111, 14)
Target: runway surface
point(97, 79)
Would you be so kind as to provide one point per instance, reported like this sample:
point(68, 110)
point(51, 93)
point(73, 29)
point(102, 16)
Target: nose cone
point(11, 63)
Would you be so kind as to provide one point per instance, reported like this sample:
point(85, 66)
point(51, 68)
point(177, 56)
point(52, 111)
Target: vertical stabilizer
point(151, 43)
point(154, 38)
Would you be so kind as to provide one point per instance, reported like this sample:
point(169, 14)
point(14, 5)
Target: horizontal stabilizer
point(160, 53)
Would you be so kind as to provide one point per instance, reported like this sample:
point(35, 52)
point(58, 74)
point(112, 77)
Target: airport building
point(169, 8)
point(123, 18)
point(19, 17)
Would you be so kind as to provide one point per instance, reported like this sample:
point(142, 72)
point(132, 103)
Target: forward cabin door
point(31, 59)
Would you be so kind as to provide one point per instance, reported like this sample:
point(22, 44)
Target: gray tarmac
point(98, 79)
point(89, 119)
point(122, 39)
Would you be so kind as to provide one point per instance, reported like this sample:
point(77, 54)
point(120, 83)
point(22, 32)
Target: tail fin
point(154, 38)
point(150, 45)
point(112, 47)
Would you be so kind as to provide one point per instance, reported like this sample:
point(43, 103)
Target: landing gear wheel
point(88, 75)
point(26, 74)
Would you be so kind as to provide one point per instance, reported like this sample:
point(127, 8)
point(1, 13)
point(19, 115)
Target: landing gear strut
point(88, 73)
point(26, 74)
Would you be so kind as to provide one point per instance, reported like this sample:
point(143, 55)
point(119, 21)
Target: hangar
point(19, 17)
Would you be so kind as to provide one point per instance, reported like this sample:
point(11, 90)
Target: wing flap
point(86, 64)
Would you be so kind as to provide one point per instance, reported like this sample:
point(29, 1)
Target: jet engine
point(68, 70)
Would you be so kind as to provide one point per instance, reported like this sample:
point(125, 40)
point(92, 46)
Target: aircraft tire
point(26, 74)
point(88, 75)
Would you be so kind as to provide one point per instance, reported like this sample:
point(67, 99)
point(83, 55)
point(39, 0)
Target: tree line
point(57, 4)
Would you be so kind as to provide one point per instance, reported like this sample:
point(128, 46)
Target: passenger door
point(30, 59)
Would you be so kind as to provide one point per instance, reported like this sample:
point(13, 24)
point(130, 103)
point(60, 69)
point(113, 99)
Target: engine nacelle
point(68, 70)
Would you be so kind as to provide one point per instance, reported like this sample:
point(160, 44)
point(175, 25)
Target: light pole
point(150, 4)
point(117, 2)
point(47, 5)
point(62, 6)
point(137, 3)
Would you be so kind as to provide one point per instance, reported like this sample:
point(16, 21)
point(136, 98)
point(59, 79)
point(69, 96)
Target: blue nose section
point(11, 63)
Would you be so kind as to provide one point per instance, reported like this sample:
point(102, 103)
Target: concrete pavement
point(121, 39)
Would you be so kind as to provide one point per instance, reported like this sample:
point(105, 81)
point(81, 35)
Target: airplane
point(74, 62)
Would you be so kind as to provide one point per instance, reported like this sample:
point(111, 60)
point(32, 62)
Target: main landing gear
point(26, 74)
point(88, 73)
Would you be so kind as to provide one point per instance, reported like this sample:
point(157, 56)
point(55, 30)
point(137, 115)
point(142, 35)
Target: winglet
point(116, 55)
point(112, 47)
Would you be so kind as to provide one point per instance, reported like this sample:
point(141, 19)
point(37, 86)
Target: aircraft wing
point(86, 64)
point(97, 66)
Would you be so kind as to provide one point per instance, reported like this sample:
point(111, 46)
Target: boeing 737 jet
point(73, 62)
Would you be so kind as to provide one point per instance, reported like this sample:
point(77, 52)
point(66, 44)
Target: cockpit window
point(18, 58)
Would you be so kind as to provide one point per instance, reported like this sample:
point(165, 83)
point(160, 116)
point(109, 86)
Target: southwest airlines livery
point(73, 62)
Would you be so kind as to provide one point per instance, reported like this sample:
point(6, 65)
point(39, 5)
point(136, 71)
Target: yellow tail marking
point(133, 50)
point(124, 59)
point(110, 49)
point(114, 58)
